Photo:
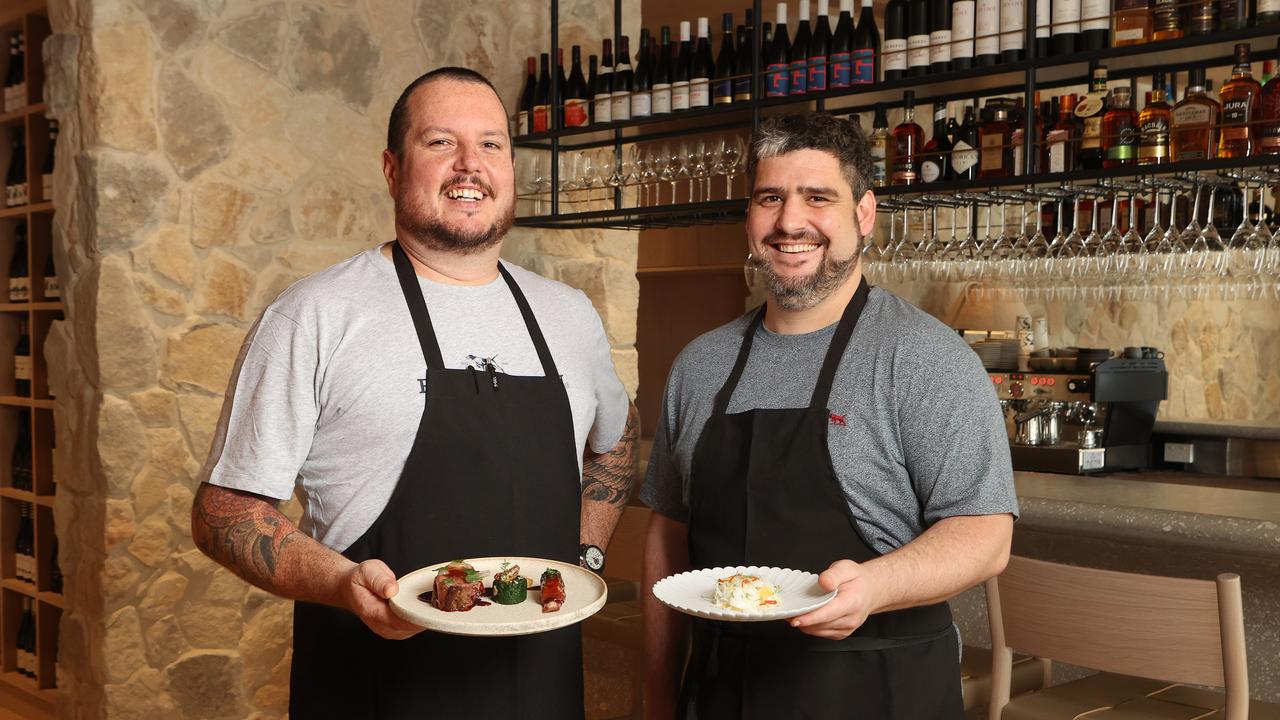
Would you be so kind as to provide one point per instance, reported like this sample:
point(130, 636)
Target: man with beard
point(426, 403)
point(836, 430)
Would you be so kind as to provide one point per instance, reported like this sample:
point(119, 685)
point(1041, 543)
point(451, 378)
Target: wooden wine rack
point(23, 695)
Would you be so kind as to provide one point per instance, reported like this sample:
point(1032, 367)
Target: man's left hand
point(847, 610)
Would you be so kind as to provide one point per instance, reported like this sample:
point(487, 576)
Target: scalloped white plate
point(584, 594)
point(692, 592)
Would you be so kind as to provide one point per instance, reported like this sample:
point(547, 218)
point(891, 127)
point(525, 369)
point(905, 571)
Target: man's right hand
point(366, 590)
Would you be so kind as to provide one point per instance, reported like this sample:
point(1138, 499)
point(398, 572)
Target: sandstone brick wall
point(212, 153)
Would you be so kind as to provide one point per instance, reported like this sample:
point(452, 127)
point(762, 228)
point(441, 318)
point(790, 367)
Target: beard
point(434, 233)
point(802, 293)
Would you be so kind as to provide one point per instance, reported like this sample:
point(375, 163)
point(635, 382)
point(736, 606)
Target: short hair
point(841, 137)
point(398, 125)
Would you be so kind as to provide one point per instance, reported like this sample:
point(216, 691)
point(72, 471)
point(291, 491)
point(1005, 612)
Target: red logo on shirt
point(838, 420)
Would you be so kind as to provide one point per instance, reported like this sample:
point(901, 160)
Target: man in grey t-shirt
point(839, 431)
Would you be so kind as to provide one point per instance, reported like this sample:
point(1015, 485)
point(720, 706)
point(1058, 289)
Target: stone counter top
point(1220, 428)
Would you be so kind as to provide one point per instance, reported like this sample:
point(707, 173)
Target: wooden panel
point(625, 558)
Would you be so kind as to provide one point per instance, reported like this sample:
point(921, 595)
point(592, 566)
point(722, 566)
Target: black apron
point(763, 492)
point(492, 471)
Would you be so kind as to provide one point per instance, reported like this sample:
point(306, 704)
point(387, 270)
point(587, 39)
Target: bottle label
point(641, 104)
point(19, 289)
point(1268, 6)
point(1122, 151)
point(878, 175)
point(895, 54)
point(723, 92)
point(1235, 119)
point(742, 88)
point(778, 79)
point(540, 116)
point(1130, 35)
point(918, 51)
point(661, 99)
point(940, 46)
point(699, 92)
point(993, 153)
point(1090, 106)
point(680, 95)
point(1154, 142)
point(620, 106)
point(22, 367)
point(52, 290)
point(1091, 138)
point(962, 29)
point(604, 108)
point(1066, 17)
point(1043, 15)
point(817, 74)
point(1013, 19)
point(522, 128)
point(1095, 14)
point(963, 157)
point(987, 26)
point(930, 171)
point(1057, 142)
point(799, 83)
point(1017, 151)
point(856, 68)
point(576, 114)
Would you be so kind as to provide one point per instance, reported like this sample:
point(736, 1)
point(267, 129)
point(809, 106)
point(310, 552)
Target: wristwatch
point(591, 558)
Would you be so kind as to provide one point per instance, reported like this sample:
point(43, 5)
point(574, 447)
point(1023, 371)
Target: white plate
point(692, 593)
point(584, 594)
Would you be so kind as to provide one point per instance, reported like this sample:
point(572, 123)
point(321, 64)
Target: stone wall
point(212, 153)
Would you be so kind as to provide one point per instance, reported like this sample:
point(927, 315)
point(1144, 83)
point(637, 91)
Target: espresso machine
point(1083, 421)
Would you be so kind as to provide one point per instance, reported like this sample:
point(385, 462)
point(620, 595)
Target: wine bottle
point(798, 56)
point(55, 570)
point(20, 461)
point(25, 663)
point(766, 44)
point(1268, 12)
point(16, 88)
point(1013, 20)
point(19, 269)
point(962, 29)
point(702, 69)
point(937, 152)
point(895, 40)
point(867, 61)
point(964, 152)
point(986, 26)
point(10, 82)
point(662, 75)
point(722, 94)
point(52, 288)
point(577, 109)
point(22, 362)
point(1066, 26)
point(523, 117)
point(917, 38)
point(819, 48)
point(878, 143)
point(840, 60)
point(1095, 24)
point(743, 82)
point(24, 564)
point(561, 93)
point(684, 68)
point(939, 35)
point(623, 78)
point(542, 96)
point(1044, 16)
point(602, 95)
point(778, 67)
point(642, 80)
point(16, 180)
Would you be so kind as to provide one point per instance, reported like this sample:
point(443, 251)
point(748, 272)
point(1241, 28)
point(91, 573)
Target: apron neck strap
point(417, 308)
point(839, 341)
point(744, 351)
point(531, 323)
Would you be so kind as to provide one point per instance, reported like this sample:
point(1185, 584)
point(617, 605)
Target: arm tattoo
point(241, 530)
point(609, 477)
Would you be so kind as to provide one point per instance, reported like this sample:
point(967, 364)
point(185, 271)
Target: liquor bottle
point(577, 110)
point(917, 38)
point(819, 48)
point(1153, 126)
point(1195, 122)
point(623, 82)
point(1233, 14)
point(778, 66)
point(1132, 22)
point(995, 138)
point(22, 362)
point(743, 82)
point(937, 152)
point(25, 662)
point(1018, 139)
point(908, 144)
point(1060, 139)
point(1119, 129)
point(867, 60)
point(1268, 13)
point(20, 461)
point(1089, 111)
point(895, 40)
point(19, 269)
point(642, 80)
point(1095, 24)
point(16, 181)
point(986, 26)
point(1239, 98)
point(602, 95)
point(964, 151)
point(1013, 20)
point(684, 68)
point(9, 80)
point(1168, 20)
point(1204, 17)
point(542, 96)
point(523, 117)
point(1066, 26)
point(798, 55)
point(702, 69)
point(841, 68)
point(1269, 114)
point(722, 93)
point(878, 143)
point(962, 29)
point(939, 36)
point(1268, 71)
point(52, 288)
point(662, 75)
point(15, 95)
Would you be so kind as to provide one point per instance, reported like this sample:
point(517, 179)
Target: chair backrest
point(1175, 629)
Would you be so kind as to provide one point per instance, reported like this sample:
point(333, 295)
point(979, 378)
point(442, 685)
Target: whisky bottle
point(1168, 20)
point(1132, 22)
point(1153, 126)
point(995, 137)
point(1120, 129)
point(1061, 140)
point(879, 144)
point(1089, 112)
point(908, 144)
point(1269, 115)
point(1239, 97)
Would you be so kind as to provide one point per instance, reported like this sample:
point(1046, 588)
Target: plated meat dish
point(458, 587)
point(552, 590)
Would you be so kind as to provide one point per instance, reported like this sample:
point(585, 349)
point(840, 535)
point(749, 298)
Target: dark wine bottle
point(662, 75)
point(867, 61)
point(799, 54)
point(895, 40)
point(577, 101)
point(16, 186)
point(19, 269)
point(939, 36)
point(1066, 26)
point(743, 83)
point(766, 44)
point(523, 117)
point(602, 95)
point(778, 66)
point(917, 38)
point(986, 27)
point(962, 29)
point(642, 82)
point(684, 68)
point(22, 362)
point(623, 78)
point(52, 287)
point(561, 90)
point(840, 67)
point(964, 153)
point(542, 96)
point(1013, 21)
point(21, 459)
point(722, 93)
point(819, 48)
point(55, 571)
point(937, 152)
point(15, 96)
point(703, 69)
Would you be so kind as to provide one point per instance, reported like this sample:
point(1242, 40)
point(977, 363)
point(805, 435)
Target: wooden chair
point(1147, 634)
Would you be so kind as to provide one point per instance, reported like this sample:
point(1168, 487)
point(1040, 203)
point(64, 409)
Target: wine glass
point(698, 169)
point(668, 164)
point(539, 179)
point(647, 172)
point(585, 167)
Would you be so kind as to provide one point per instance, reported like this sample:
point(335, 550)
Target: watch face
point(593, 557)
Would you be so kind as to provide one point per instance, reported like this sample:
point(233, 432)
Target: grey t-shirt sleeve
point(953, 434)
point(663, 488)
point(270, 411)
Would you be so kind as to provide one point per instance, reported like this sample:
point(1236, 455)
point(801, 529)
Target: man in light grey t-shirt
point(838, 431)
